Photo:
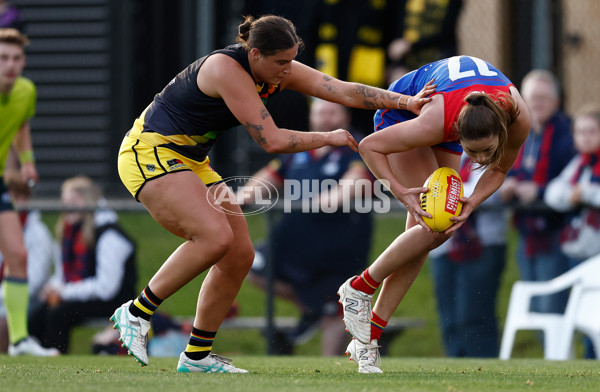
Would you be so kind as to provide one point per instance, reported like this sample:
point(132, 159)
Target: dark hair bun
point(244, 29)
point(475, 99)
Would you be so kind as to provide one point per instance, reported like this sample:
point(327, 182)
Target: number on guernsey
point(456, 73)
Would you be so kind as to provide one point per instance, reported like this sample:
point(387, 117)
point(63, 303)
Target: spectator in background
point(577, 190)
point(98, 266)
point(10, 16)
point(350, 39)
point(17, 106)
point(466, 272)
point(427, 32)
point(547, 150)
point(42, 250)
point(309, 275)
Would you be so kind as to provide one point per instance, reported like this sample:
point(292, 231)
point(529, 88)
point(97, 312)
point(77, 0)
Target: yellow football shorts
point(140, 162)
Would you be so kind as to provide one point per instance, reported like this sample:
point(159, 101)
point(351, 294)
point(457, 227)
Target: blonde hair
point(487, 115)
point(591, 110)
point(13, 36)
point(90, 193)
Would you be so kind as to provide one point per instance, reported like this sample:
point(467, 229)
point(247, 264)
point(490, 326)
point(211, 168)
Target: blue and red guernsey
point(455, 77)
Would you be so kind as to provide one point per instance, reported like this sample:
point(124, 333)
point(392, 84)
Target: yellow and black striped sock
point(145, 305)
point(200, 344)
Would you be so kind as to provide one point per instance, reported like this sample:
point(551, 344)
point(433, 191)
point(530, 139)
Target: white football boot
point(212, 364)
point(366, 355)
point(357, 311)
point(30, 346)
point(134, 332)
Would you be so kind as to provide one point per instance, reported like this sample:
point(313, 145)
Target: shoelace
point(370, 347)
point(222, 359)
point(365, 296)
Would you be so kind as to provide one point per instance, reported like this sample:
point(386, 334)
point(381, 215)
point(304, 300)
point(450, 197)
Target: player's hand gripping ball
point(442, 200)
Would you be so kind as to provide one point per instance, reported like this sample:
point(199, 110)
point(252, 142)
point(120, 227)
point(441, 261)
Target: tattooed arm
point(223, 77)
point(289, 141)
point(309, 81)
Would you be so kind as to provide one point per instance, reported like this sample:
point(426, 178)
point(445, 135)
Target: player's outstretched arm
point(309, 81)
point(229, 81)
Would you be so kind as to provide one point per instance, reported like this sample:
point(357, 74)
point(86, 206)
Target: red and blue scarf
point(588, 160)
point(75, 254)
point(540, 173)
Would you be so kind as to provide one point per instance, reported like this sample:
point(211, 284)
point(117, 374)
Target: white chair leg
point(557, 347)
point(508, 340)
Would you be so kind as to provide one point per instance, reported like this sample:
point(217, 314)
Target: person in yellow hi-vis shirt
point(17, 106)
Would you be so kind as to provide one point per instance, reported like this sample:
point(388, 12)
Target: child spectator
point(577, 190)
point(98, 266)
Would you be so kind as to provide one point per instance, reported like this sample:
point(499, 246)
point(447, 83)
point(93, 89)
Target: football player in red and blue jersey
point(476, 109)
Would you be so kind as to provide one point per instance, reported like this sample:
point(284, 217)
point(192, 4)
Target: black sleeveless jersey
point(186, 120)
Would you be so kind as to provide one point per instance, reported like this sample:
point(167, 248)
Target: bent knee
point(217, 239)
point(239, 259)
point(242, 255)
point(247, 257)
point(15, 262)
point(15, 255)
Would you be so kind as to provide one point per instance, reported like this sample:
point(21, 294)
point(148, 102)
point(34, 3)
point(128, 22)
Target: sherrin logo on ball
point(442, 200)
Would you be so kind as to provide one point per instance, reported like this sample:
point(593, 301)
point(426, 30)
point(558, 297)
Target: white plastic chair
point(582, 312)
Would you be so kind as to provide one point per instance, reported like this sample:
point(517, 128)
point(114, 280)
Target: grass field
point(414, 363)
point(155, 245)
point(122, 374)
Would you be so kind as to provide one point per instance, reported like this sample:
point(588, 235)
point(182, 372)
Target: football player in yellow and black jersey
point(163, 163)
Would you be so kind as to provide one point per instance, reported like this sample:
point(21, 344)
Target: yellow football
point(442, 200)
